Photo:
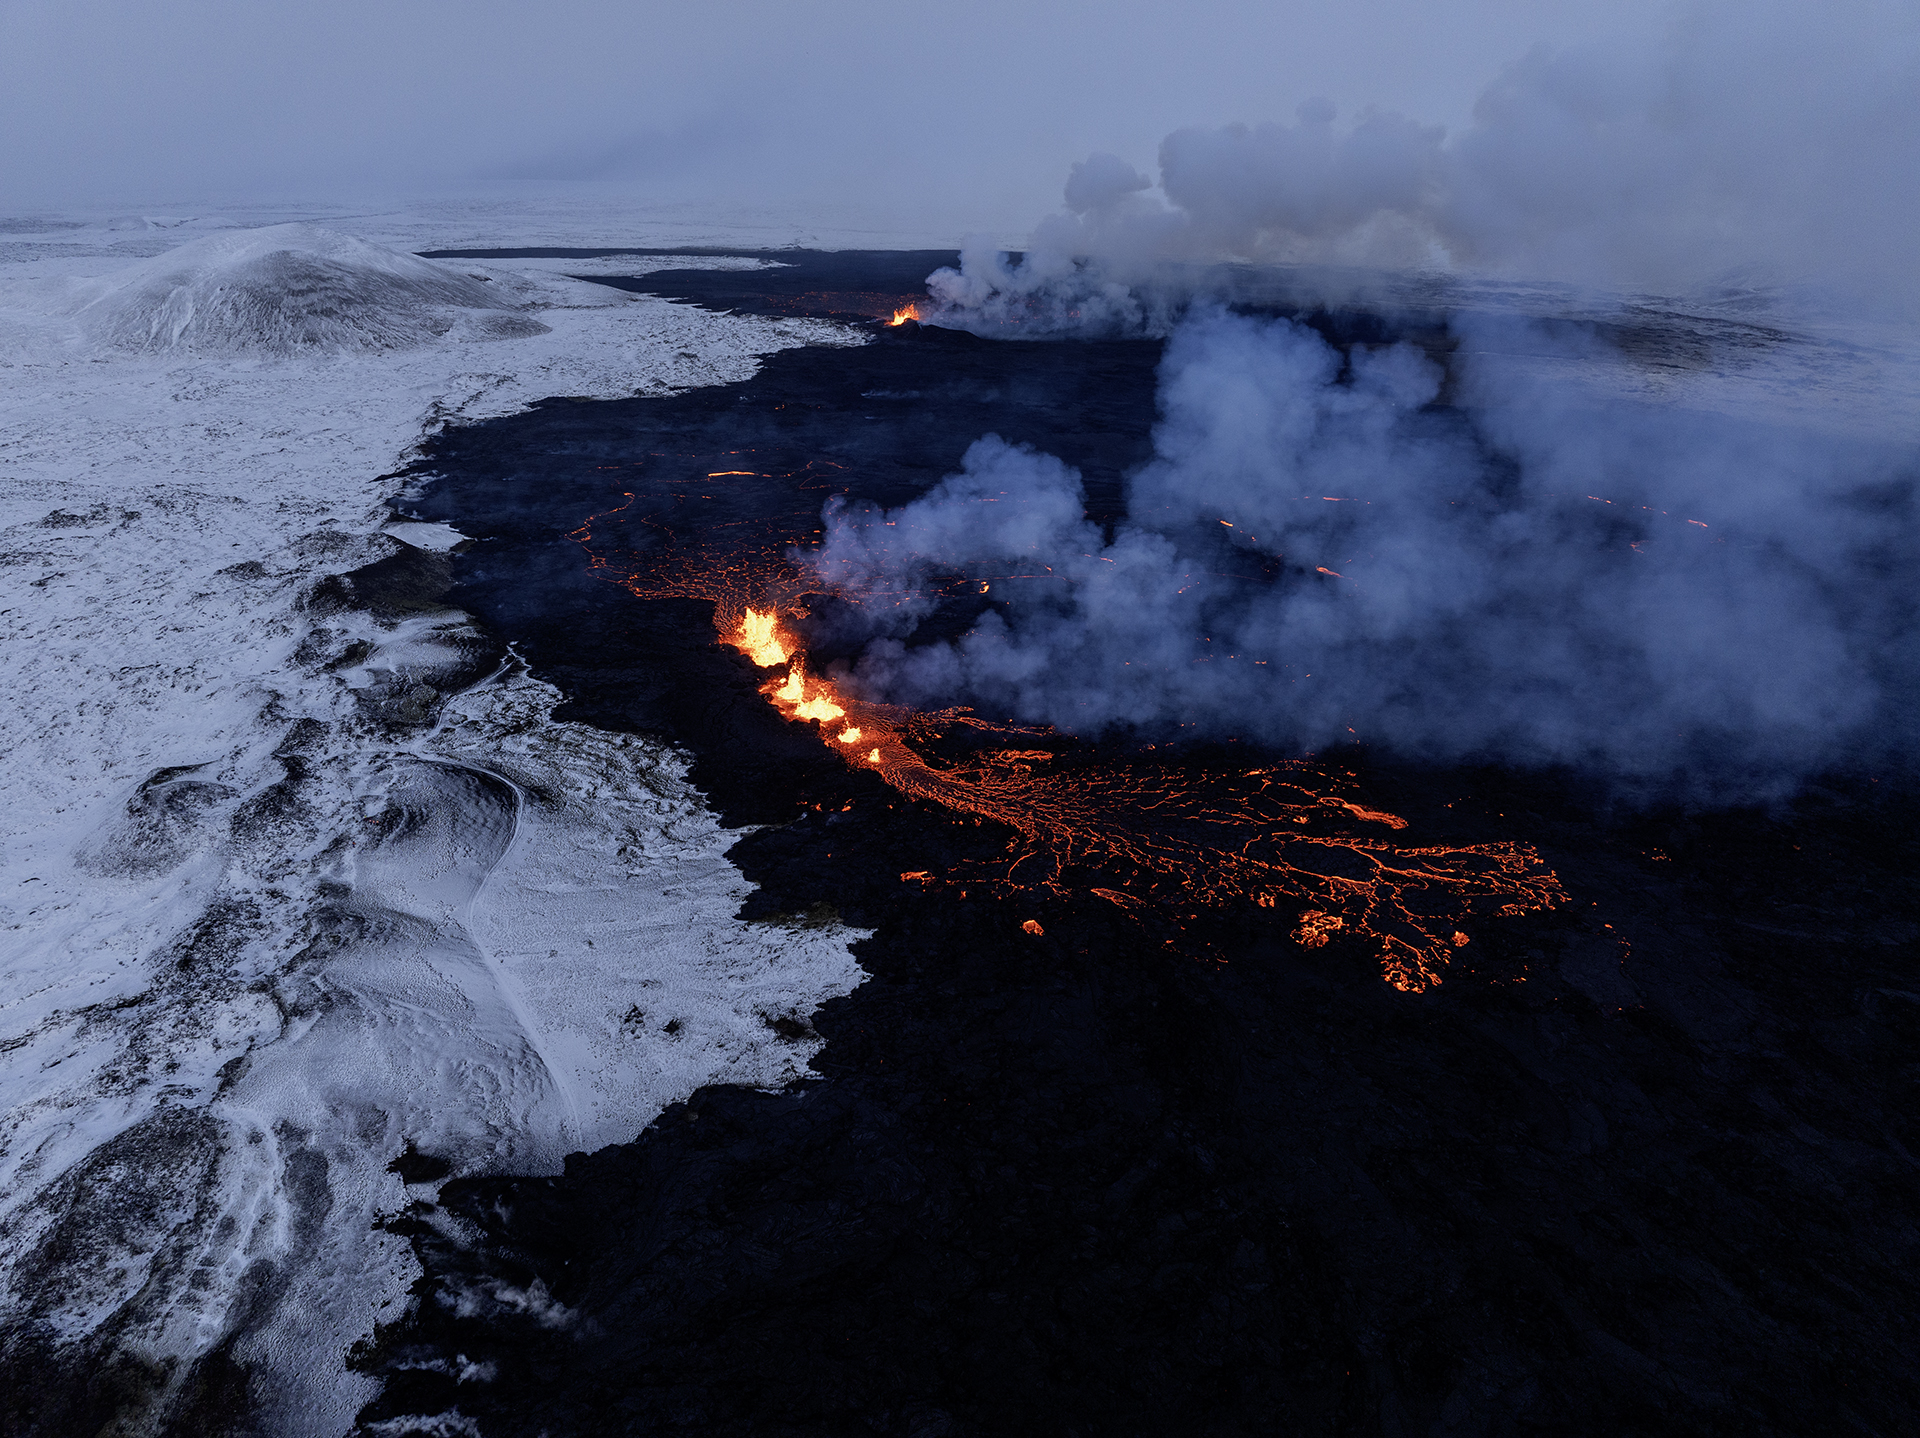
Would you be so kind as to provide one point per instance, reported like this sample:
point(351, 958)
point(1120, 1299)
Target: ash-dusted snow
point(298, 878)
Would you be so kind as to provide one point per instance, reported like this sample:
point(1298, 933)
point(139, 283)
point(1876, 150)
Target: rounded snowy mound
point(293, 288)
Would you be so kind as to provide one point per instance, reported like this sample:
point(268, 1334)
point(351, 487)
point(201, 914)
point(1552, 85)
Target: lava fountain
point(1137, 833)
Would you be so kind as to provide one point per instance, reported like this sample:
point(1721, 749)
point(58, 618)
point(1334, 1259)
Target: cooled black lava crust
point(1646, 1164)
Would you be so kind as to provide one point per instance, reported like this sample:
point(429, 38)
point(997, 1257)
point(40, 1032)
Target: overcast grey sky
point(973, 108)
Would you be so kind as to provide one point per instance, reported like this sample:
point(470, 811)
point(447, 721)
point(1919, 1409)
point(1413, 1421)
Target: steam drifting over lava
point(1134, 831)
point(1662, 537)
point(1320, 550)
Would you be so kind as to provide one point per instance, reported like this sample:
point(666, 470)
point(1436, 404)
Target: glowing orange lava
point(758, 639)
point(900, 317)
point(1257, 836)
point(1277, 835)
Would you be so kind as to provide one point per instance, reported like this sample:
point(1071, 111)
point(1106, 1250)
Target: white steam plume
point(1764, 144)
point(1680, 556)
point(1318, 553)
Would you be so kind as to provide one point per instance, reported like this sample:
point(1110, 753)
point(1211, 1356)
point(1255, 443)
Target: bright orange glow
point(801, 700)
point(1134, 833)
point(1372, 816)
point(900, 317)
point(1316, 928)
point(758, 638)
point(821, 709)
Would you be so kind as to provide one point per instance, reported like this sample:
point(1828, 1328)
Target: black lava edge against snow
point(1090, 1184)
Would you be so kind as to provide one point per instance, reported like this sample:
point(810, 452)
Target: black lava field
point(1644, 1163)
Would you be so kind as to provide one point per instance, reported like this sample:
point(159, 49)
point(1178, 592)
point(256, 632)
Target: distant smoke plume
point(1766, 144)
point(1655, 555)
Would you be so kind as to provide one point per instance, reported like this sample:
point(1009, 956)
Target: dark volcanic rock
point(831, 284)
point(1078, 1184)
point(1645, 1164)
point(414, 1166)
point(406, 583)
point(886, 421)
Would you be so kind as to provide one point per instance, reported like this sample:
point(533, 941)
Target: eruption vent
point(1138, 833)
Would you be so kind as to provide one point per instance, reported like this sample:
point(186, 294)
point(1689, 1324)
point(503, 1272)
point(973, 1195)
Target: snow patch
point(435, 537)
point(297, 873)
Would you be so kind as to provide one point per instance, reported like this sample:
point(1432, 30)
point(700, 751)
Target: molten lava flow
point(1139, 835)
point(900, 317)
point(758, 640)
point(1316, 928)
point(1256, 836)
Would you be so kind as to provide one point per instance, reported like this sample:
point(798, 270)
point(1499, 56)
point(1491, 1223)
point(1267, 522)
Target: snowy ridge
point(296, 875)
point(290, 288)
point(285, 289)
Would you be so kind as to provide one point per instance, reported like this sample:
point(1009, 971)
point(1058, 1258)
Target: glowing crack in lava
point(1137, 834)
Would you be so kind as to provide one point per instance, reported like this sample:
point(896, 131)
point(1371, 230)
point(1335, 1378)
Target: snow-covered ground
point(288, 884)
point(297, 875)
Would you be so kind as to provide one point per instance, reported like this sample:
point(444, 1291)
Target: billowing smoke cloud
point(1764, 145)
point(1318, 552)
point(1570, 556)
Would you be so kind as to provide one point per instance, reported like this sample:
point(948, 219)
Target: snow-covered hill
point(292, 878)
point(290, 289)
